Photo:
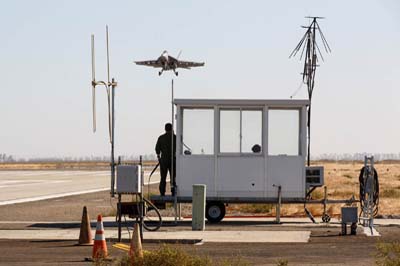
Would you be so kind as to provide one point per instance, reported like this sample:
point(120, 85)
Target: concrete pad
point(386, 222)
point(177, 236)
point(235, 236)
point(291, 221)
point(370, 231)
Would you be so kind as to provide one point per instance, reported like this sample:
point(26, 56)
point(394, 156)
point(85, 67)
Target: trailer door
point(195, 150)
point(285, 160)
point(240, 161)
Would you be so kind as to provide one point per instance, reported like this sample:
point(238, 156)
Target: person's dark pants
point(165, 167)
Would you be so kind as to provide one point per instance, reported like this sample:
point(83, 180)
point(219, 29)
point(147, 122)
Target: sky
point(45, 102)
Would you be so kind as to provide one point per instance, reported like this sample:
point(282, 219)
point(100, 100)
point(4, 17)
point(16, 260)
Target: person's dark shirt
point(163, 146)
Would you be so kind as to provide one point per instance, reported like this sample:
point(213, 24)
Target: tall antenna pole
point(110, 100)
point(309, 44)
point(93, 86)
point(113, 85)
point(173, 153)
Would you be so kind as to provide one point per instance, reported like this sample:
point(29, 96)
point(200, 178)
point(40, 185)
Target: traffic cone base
point(136, 243)
point(100, 245)
point(85, 234)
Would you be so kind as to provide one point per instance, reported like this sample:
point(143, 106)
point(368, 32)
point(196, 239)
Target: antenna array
point(310, 50)
point(110, 89)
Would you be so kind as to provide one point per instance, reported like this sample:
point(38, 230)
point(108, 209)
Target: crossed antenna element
point(311, 52)
point(107, 85)
point(309, 45)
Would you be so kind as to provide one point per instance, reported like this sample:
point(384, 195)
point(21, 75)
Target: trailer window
point(251, 131)
point(230, 131)
point(283, 132)
point(240, 131)
point(198, 131)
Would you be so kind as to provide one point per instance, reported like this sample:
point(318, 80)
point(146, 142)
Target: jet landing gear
point(162, 70)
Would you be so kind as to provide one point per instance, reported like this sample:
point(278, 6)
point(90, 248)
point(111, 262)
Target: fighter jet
point(167, 62)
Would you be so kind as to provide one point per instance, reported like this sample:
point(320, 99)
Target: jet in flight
point(167, 62)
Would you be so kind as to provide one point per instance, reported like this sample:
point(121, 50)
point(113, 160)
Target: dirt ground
point(326, 247)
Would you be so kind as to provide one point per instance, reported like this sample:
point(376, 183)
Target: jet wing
point(150, 63)
point(188, 65)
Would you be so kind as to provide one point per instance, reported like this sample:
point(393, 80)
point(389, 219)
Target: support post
point(198, 207)
point(119, 217)
point(112, 138)
point(325, 198)
point(309, 133)
point(278, 205)
point(173, 160)
point(179, 212)
point(142, 211)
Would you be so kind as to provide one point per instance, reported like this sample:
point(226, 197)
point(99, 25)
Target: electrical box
point(314, 176)
point(129, 179)
point(349, 215)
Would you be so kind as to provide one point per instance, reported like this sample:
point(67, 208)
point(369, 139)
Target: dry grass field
point(84, 165)
point(54, 166)
point(341, 179)
point(342, 182)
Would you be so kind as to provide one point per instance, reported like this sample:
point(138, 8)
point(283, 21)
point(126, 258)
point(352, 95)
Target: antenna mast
point(309, 45)
point(110, 102)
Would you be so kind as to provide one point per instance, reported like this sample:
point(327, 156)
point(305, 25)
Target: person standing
point(164, 155)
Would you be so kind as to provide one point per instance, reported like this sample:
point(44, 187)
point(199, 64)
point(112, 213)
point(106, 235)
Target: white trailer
point(244, 151)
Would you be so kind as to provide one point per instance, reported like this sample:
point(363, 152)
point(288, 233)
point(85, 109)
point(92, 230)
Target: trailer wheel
point(215, 211)
point(353, 228)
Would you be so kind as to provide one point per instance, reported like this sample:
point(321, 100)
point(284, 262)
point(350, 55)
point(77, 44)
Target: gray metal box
point(349, 215)
point(314, 176)
point(129, 179)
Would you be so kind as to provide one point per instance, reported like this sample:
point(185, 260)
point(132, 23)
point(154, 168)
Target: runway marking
point(18, 183)
point(51, 172)
point(53, 196)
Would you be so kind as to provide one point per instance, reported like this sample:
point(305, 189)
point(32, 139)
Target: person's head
point(168, 127)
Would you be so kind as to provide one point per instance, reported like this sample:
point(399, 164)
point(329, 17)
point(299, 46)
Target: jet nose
point(165, 55)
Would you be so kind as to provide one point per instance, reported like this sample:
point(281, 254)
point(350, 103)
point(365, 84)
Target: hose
point(158, 225)
point(148, 183)
point(375, 195)
point(308, 197)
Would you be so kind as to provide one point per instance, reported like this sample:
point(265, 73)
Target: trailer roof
point(241, 102)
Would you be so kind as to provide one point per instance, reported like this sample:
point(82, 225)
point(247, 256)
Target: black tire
point(215, 211)
point(353, 228)
point(326, 218)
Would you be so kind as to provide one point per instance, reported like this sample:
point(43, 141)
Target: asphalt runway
point(26, 186)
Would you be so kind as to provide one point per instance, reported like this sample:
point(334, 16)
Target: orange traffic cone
point(136, 243)
point(85, 234)
point(100, 246)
